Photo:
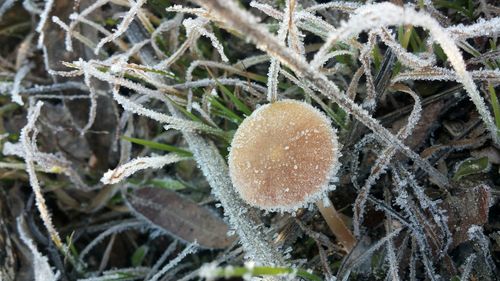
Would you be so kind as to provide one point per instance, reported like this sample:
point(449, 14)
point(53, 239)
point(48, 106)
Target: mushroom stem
point(337, 226)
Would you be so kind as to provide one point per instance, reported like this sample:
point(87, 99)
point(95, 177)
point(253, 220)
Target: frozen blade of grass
point(211, 272)
point(185, 10)
point(23, 51)
point(393, 262)
point(334, 5)
point(121, 274)
point(16, 88)
point(274, 68)
point(197, 63)
point(313, 24)
point(7, 4)
point(198, 26)
point(41, 267)
point(385, 14)
point(443, 74)
point(438, 214)
point(272, 80)
point(194, 29)
point(165, 27)
point(49, 4)
point(236, 18)
point(413, 261)
point(75, 19)
point(173, 122)
point(30, 6)
point(483, 27)
point(40, 89)
point(302, 19)
point(84, 40)
point(468, 267)
point(28, 143)
point(407, 58)
point(366, 60)
point(141, 163)
point(406, 203)
point(245, 85)
point(190, 249)
point(122, 27)
point(295, 37)
point(165, 64)
point(93, 104)
point(267, 9)
point(47, 163)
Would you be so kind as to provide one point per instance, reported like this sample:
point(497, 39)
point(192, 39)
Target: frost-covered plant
point(28, 140)
point(179, 86)
point(385, 14)
point(41, 267)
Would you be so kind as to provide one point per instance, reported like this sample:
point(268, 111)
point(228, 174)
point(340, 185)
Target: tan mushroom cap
point(283, 155)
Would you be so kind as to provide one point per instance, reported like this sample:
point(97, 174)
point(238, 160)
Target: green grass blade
point(237, 102)
point(495, 105)
point(159, 146)
point(225, 112)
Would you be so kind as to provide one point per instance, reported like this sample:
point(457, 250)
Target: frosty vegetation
point(198, 69)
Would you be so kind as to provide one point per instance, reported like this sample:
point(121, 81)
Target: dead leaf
point(466, 206)
point(181, 217)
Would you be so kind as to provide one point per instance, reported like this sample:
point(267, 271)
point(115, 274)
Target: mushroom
point(281, 159)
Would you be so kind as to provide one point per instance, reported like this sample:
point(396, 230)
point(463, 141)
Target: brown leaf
point(466, 207)
point(181, 217)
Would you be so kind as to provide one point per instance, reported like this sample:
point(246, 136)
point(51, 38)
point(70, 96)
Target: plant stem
point(336, 224)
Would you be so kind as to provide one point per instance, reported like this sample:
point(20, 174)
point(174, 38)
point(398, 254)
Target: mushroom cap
point(283, 155)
